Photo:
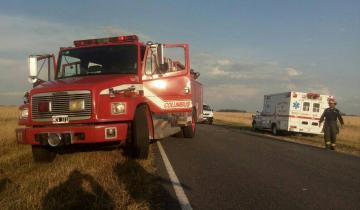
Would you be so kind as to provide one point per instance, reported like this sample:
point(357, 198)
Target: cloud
point(233, 92)
point(224, 62)
point(239, 96)
point(216, 71)
point(241, 83)
point(292, 72)
point(26, 35)
point(22, 36)
point(239, 70)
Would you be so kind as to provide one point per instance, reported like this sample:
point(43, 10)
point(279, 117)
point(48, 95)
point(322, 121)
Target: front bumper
point(207, 117)
point(74, 134)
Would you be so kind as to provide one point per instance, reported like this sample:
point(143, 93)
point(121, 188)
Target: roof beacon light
point(110, 40)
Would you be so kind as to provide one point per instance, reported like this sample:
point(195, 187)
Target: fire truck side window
point(175, 58)
point(150, 63)
point(316, 107)
point(306, 106)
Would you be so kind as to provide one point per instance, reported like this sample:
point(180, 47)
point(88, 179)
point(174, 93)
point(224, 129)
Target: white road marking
point(179, 191)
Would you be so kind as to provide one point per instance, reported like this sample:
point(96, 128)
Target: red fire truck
point(115, 89)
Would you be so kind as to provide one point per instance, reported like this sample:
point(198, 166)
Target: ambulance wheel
point(140, 134)
point(42, 154)
point(274, 130)
point(189, 131)
point(210, 121)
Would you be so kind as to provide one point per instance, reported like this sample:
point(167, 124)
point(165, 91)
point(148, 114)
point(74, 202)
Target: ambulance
point(295, 112)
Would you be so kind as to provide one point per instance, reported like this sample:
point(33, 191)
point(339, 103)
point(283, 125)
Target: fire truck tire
point(42, 154)
point(140, 134)
point(274, 130)
point(189, 131)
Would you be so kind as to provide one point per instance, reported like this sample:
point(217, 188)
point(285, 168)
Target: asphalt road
point(223, 168)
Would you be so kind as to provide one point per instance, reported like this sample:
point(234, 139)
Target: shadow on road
point(145, 187)
point(79, 191)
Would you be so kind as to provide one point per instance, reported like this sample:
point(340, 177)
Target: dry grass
point(85, 179)
point(348, 139)
point(351, 131)
point(231, 118)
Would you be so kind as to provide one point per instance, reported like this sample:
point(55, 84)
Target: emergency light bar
point(313, 95)
point(117, 39)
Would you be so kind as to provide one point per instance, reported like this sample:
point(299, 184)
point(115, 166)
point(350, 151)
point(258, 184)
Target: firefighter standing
point(331, 128)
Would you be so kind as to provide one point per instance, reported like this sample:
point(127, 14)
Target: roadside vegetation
point(348, 140)
point(81, 178)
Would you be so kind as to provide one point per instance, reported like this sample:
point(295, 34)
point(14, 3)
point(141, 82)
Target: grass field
point(84, 178)
point(348, 139)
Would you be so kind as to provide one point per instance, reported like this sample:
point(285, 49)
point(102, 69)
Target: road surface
point(223, 168)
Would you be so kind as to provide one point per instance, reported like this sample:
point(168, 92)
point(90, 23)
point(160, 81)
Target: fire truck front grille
point(60, 105)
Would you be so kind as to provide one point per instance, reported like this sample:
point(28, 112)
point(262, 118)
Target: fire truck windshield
point(115, 59)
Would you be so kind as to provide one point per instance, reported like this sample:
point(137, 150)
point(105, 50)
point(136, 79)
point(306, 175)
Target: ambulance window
point(306, 106)
point(316, 107)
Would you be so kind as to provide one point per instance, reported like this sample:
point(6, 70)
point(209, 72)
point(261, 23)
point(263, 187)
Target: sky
point(243, 49)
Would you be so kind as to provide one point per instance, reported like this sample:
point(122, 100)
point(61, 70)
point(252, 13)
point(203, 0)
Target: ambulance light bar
point(313, 95)
point(110, 40)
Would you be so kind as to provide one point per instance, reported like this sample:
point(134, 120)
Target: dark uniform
point(331, 128)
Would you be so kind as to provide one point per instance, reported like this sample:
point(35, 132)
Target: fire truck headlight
point(24, 113)
point(118, 108)
point(76, 105)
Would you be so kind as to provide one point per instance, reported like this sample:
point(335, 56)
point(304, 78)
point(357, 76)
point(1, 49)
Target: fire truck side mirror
point(32, 69)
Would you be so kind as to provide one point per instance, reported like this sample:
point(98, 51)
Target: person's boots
point(332, 147)
point(327, 145)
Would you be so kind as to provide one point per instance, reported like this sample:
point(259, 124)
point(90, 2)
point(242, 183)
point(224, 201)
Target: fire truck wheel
point(189, 131)
point(140, 134)
point(274, 130)
point(42, 154)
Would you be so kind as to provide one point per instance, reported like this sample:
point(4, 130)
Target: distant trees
point(232, 110)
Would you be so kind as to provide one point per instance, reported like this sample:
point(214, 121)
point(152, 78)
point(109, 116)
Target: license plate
point(60, 119)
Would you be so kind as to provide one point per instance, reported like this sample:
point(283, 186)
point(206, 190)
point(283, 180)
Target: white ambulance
point(291, 111)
